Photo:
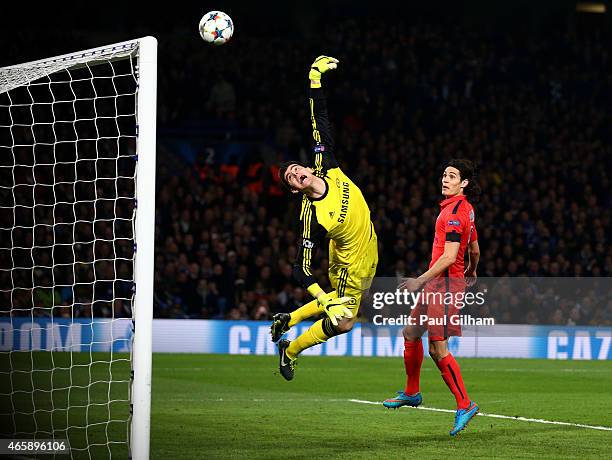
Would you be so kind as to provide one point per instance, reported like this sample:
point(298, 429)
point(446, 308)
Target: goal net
point(77, 190)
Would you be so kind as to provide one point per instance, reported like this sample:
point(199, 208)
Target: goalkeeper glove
point(321, 65)
point(336, 307)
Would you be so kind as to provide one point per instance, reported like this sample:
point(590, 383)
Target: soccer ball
point(216, 27)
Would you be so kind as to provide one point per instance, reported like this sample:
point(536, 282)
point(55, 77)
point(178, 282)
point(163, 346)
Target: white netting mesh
point(68, 131)
point(22, 74)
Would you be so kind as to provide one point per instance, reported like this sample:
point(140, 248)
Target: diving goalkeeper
point(332, 207)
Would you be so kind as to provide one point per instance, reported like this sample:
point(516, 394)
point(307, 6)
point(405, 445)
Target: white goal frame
point(142, 312)
point(144, 257)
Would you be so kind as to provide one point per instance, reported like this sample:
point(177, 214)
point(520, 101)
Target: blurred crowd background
point(526, 98)
point(532, 111)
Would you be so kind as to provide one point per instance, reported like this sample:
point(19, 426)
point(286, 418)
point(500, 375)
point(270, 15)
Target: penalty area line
point(508, 417)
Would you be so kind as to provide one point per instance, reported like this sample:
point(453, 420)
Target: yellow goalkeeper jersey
point(341, 214)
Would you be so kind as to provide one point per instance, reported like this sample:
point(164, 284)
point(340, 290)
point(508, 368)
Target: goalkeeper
point(332, 207)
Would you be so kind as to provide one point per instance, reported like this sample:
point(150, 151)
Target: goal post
point(144, 263)
point(77, 220)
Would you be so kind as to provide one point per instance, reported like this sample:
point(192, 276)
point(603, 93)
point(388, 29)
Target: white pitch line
point(482, 414)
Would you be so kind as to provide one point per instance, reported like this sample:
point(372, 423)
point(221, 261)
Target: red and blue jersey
point(455, 223)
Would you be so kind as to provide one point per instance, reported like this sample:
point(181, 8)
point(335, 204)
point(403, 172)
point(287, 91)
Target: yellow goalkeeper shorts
point(353, 280)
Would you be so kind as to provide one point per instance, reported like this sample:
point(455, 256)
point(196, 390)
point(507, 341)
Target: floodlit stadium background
point(523, 89)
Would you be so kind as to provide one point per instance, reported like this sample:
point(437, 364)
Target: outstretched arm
point(321, 128)
point(318, 105)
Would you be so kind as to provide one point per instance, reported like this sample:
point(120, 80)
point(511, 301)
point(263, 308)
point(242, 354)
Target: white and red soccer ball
point(216, 27)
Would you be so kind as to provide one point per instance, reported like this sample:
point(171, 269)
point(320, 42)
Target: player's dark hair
point(283, 168)
point(467, 171)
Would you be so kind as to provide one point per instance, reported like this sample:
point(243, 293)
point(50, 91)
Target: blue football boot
point(463, 416)
point(402, 399)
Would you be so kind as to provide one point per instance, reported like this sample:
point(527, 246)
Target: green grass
point(213, 406)
point(207, 406)
point(84, 399)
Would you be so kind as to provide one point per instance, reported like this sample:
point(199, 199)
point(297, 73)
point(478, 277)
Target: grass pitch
point(222, 406)
point(212, 406)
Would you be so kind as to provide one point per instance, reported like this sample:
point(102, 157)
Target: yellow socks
point(318, 333)
point(313, 336)
point(304, 312)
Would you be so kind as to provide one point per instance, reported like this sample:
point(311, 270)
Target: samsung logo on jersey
point(456, 223)
point(344, 202)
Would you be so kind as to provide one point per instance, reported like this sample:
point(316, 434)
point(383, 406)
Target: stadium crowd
point(531, 111)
